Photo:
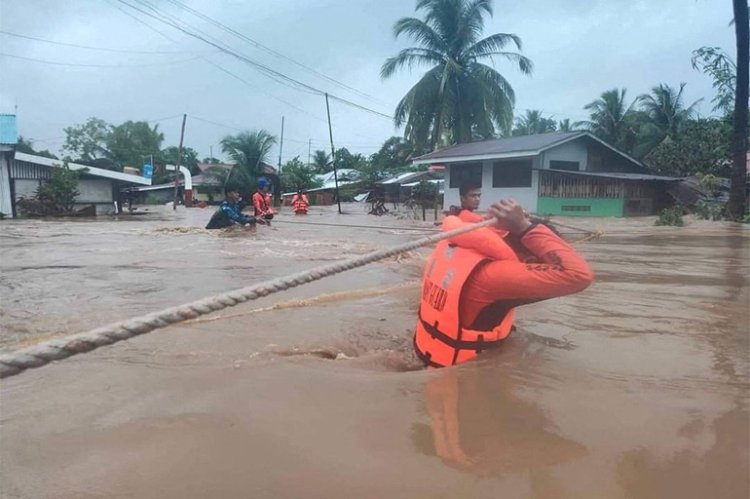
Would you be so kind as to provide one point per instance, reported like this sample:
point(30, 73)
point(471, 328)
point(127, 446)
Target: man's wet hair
point(466, 186)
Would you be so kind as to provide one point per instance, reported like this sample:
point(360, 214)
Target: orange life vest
point(440, 340)
point(262, 203)
point(300, 203)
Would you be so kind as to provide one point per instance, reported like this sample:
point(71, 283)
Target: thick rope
point(12, 363)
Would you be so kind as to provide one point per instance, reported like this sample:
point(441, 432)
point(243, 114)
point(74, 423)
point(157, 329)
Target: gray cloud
point(580, 48)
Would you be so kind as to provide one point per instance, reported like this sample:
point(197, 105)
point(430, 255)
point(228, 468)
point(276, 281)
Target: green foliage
point(321, 162)
point(393, 156)
point(189, 158)
point(723, 71)
point(702, 146)
point(709, 210)
point(295, 175)
point(610, 119)
point(459, 98)
point(532, 122)
point(671, 216)
point(27, 146)
point(665, 110)
point(56, 196)
point(248, 151)
point(133, 141)
point(89, 140)
point(565, 126)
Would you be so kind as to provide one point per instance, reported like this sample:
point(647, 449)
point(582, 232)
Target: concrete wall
point(25, 188)
point(570, 151)
point(94, 191)
point(6, 205)
point(527, 196)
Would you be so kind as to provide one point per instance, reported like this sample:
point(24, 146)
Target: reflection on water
point(637, 387)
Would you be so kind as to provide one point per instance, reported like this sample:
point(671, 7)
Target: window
point(511, 173)
point(571, 166)
point(465, 172)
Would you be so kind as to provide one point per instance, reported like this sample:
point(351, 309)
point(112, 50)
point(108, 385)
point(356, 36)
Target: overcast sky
point(580, 48)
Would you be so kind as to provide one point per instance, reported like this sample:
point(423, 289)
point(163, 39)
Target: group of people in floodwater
point(230, 213)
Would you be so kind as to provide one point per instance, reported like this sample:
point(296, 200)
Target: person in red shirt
point(473, 282)
point(263, 208)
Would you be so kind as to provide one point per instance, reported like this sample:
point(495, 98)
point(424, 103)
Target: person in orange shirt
point(472, 283)
point(300, 203)
point(263, 208)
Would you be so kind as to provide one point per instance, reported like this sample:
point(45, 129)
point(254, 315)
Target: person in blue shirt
point(230, 213)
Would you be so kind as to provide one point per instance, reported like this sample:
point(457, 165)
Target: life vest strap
point(454, 343)
point(425, 357)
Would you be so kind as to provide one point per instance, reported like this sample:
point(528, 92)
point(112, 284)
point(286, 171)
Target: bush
point(671, 216)
point(55, 197)
point(709, 210)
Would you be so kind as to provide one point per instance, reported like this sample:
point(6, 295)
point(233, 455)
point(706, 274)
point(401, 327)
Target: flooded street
point(637, 387)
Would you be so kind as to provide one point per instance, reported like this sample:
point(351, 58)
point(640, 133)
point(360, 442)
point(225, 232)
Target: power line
point(269, 50)
point(56, 63)
point(268, 71)
point(87, 47)
point(217, 66)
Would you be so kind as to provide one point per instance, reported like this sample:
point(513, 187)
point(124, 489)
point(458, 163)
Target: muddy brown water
point(636, 388)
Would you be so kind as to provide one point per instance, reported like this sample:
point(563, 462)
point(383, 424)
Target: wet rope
point(12, 363)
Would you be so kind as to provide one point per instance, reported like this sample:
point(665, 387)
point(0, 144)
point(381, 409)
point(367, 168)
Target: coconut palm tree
point(665, 109)
point(248, 151)
point(459, 98)
point(532, 122)
point(611, 118)
point(321, 162)
point(565, 126)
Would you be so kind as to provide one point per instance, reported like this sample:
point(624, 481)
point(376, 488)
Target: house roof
point(510, 147)
point(619, 175)
point(90, 170)
point(265, 167)
point(406, 177)
point(8, 129)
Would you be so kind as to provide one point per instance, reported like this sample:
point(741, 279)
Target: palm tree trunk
point(736, 206)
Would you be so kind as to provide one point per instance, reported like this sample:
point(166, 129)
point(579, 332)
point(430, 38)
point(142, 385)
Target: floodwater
point(636, 388)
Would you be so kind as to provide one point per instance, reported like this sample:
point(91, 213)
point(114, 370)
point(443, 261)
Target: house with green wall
point(571, 173)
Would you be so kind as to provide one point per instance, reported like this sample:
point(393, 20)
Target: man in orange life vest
point(470, 194)
point(472, 283)
point(261, 200)
point(300, 203)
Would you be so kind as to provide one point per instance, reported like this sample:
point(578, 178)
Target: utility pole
point(277, 187)
point(179, 160)
point(210, 153)
point(309, 146)
point(333, 155)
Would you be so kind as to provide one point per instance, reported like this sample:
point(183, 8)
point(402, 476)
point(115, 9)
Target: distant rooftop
point(8, 130)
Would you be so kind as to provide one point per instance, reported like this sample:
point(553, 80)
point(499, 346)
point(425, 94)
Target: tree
point(346, 160)
point(459, 98)
point(702, 146)
point(565, 126)
point(665, 109)
point(88, 142)
point(394, 155)
point(296, 175)
point(189, 158)
point(611, 119)
point(722, 69)
point(130, 143)
point(27, 146)
point(247, 150)
point(736, 205)
point(532, 122)
point(56, 195)
point(321, 162)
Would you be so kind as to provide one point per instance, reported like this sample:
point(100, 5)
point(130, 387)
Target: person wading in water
point(472, 283)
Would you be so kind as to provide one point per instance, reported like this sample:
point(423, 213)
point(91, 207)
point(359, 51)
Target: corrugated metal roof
point(89, 170)
point(530, 143)
point(8, 129)
point(618, 175)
